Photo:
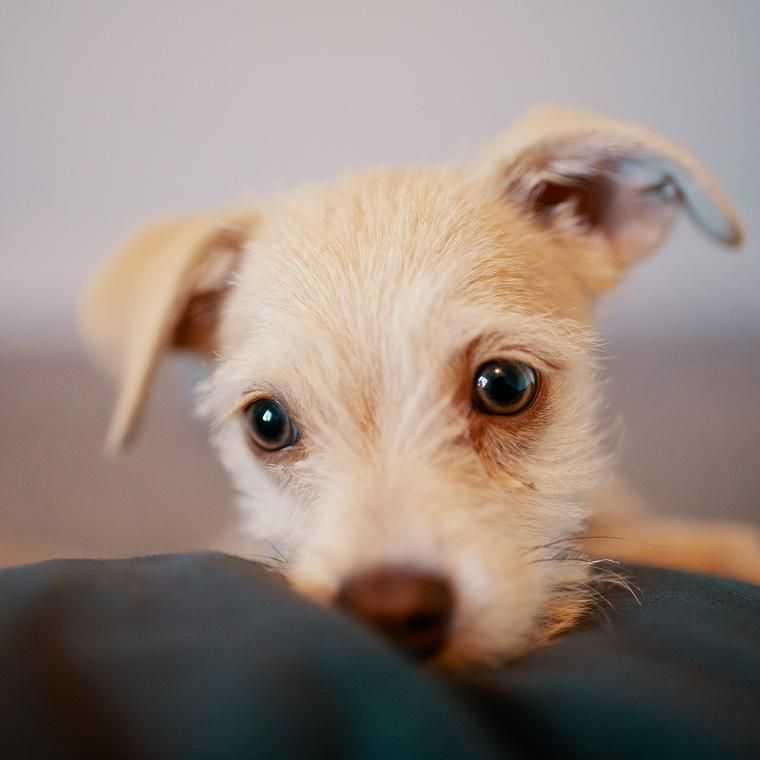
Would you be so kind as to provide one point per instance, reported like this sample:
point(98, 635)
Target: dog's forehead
point(392, 260)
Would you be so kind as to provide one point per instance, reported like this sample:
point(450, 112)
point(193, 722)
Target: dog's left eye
point(505, 387)
point(269, 424)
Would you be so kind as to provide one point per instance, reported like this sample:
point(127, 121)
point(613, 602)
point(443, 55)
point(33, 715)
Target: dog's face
point(403, 387)
point(368, 313)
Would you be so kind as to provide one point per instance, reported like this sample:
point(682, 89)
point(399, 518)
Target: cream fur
point(366, 306)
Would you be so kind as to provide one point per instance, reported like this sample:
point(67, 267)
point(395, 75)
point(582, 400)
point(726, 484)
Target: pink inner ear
point(587, 197)
point(631, 203)
point(638, 220)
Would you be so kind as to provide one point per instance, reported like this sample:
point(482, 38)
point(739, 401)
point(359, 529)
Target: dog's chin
point(493, 636)
point(479, 650)
point(490, 643)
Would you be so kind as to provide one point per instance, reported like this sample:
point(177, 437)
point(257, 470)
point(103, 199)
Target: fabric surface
point(208, 656)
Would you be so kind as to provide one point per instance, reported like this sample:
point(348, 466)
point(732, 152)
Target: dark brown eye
point(269, 424)
point(505, 387)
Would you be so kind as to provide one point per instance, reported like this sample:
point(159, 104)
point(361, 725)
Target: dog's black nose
point(411, 608)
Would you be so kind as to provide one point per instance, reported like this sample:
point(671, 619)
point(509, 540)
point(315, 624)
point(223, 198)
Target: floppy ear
point(584, 175)
point(165, 288)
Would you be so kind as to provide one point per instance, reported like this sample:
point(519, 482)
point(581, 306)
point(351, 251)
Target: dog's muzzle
point(411, 608)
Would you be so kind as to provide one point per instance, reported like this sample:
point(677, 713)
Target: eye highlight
point(269, 424)
point(505, 387)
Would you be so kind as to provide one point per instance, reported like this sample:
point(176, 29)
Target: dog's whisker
point(570, 539)
point(602, 574)
point(266, 558)
point(598, 562)
point(275, 548)
point(588, 596)
point(612, 578)
point(598, 599)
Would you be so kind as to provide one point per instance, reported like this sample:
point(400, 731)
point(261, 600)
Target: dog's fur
point(366, 306)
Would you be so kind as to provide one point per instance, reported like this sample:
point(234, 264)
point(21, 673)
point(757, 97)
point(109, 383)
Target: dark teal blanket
point(206, 656)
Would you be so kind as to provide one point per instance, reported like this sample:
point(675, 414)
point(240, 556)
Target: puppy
point(403, 384)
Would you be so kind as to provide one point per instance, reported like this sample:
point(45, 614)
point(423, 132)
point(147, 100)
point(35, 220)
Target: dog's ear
point(582, 175)
point(164, 289)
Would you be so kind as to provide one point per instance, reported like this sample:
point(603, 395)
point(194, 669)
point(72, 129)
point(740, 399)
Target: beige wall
point(113, 112)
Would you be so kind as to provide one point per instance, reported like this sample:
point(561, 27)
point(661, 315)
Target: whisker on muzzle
point(601, 573)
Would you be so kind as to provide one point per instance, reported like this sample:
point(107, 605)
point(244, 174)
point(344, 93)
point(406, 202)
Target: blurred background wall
point(113, 113)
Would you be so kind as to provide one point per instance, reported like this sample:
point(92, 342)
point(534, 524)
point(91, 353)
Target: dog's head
point(403, 384)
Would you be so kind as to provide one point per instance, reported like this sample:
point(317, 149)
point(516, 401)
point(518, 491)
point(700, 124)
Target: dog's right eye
point(505, 387)
point(269, 424)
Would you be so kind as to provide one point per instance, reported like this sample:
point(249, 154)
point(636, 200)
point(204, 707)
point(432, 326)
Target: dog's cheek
point(550, 481)
point(270, 514)
point(553, 450)
point(510, 596)
point(499, 603)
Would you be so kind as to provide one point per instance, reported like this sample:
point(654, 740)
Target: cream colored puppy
point(403, 385)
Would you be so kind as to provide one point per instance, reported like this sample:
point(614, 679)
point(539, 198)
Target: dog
point(403, 378)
